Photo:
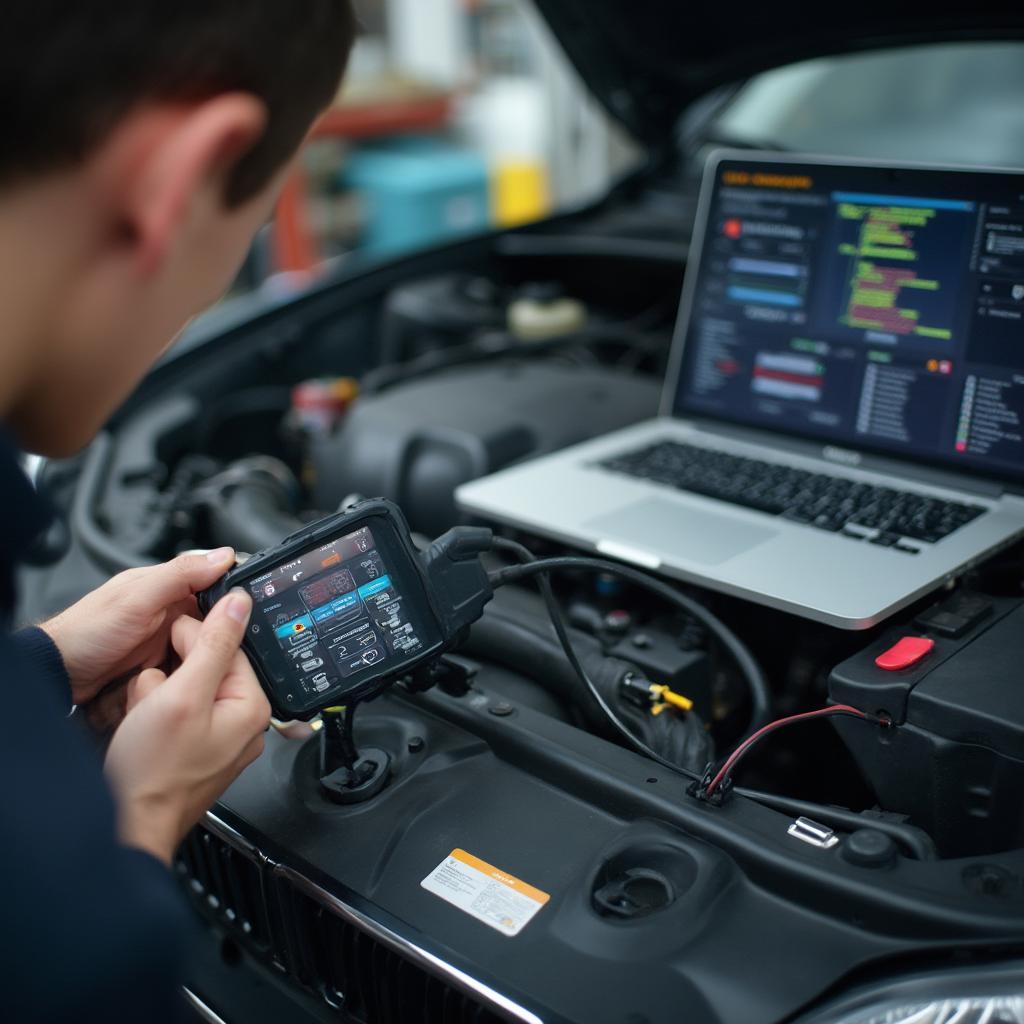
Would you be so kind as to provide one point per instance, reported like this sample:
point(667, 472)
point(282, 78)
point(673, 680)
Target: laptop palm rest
point(683, 533)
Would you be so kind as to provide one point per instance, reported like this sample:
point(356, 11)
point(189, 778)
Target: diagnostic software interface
point(877, 308)
point(334, 612)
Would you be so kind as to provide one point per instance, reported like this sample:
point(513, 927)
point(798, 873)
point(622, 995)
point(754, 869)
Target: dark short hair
point(69, 71)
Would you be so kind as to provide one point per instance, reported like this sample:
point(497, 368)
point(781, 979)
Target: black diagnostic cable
point(752, 674)
point(710, 785)
point(529, 560)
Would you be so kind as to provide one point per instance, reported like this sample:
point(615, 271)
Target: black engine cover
point(748, 923)
point(417, 442)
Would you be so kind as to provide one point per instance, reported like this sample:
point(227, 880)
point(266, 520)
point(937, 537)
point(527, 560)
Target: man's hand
point(124, 626)
point(187, 736)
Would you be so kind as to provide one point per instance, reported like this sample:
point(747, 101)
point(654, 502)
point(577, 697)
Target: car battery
point(952, 683)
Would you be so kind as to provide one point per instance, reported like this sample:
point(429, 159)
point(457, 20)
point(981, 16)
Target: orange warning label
point(485, 892)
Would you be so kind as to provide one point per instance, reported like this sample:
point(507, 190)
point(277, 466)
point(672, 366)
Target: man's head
point(143, 144)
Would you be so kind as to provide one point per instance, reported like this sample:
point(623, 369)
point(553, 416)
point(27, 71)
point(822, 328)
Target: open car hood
point(646, 60)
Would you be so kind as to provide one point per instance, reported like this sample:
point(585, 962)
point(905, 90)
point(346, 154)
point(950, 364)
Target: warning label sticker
point(484, 892)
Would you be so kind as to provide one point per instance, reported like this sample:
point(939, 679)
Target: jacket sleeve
point(43, 661)
point(92, 930)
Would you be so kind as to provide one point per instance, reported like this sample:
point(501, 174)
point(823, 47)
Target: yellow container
point(520, 192)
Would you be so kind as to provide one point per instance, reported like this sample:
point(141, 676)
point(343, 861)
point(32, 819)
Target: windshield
point(957, 103)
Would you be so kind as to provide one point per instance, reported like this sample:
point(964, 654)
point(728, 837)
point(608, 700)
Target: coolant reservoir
point(539, 314)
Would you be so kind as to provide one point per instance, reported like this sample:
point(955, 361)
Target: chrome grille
point(321, 951)
point(228, 885)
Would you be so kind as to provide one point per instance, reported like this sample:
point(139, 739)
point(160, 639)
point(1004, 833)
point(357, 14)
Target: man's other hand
point(187, 736)
point(124, 627)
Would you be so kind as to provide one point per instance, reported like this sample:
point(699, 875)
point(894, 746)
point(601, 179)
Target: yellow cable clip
point(667, 697)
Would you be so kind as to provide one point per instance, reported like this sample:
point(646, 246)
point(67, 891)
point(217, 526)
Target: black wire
point(558, 622)
point(914, 842)
point(498, 345)
point(758, 685)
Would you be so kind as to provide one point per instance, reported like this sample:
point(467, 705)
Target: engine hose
point(514, 645)
point(251, 515)
point(106, 552)
point(248, 512)
point(522, 649)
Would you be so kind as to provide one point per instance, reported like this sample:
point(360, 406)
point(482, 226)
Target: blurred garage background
point(462, 115)
point(455, 116)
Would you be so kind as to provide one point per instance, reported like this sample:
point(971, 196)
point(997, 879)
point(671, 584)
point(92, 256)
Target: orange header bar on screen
point(763, 179)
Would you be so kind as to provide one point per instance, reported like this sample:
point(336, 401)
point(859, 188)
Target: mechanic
point(145, 142)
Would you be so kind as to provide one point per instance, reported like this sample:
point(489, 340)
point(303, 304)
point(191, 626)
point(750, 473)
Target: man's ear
point(182, 155)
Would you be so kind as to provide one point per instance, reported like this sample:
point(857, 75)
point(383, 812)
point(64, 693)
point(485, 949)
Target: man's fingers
point(208, 659)
point(200, 569)
point(143, 685)
point(106, 710)
point(184, 631)
point(181, 577)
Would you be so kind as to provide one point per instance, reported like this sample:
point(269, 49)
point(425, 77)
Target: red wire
point(834, 709)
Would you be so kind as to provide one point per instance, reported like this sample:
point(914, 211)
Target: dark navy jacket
point(91, 930)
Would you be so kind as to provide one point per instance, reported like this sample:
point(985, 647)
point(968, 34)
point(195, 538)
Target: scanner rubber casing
point(405, 564)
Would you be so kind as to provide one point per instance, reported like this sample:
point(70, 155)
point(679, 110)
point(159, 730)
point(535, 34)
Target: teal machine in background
point(417, 192)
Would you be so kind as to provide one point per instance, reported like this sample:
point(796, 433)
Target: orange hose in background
point(292, 241)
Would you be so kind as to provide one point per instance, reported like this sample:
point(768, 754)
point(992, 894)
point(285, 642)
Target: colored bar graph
point(788, 375)
point(738, 293)
point(870, 199)
point(882, 260)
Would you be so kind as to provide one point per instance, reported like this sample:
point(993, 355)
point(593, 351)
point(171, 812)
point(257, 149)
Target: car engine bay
point(844, 853)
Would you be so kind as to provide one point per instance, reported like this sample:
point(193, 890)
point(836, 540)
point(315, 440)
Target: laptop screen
point(874, 308)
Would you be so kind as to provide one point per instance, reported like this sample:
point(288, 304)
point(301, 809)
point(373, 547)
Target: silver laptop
point(841, 429)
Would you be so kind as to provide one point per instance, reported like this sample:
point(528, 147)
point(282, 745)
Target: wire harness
point(714, 786)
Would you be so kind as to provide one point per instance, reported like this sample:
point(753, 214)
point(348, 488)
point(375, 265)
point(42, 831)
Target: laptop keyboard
point(863, 511)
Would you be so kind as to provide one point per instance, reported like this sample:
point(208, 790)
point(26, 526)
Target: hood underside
point(647, 60)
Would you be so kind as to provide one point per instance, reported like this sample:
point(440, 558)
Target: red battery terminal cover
point(905, 653)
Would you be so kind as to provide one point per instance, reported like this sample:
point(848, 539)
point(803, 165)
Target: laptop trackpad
point(674, 531)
